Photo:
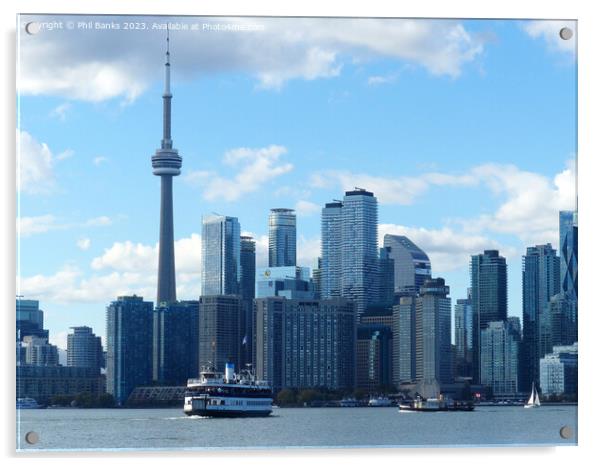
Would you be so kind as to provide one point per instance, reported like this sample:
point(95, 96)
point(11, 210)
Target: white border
point(590, 134)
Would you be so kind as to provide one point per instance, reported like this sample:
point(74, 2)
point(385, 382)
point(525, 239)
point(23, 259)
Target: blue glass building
point(288, 282)
point(331, 266)
point(411, 264)
point(541, 281)
point(282, 238)
point(247, 294)
point(175, 342)
point(359, 248)
point(129, 345)
point(463, 315)
point(220, 273)
point(568, 253)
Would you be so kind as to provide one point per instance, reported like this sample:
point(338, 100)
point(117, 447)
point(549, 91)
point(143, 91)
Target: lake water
point(149, 429)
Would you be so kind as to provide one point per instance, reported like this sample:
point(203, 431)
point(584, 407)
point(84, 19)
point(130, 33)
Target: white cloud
point(98, 161)
point(27, 226)
point(530, 202)
point(83, 243)
point(60, 111)
point(65, 154)
point(35, 174)
point(306, 208)
point(96, 66)
point(447, 249)
point(402, 190)
point(59, 339)
point(378, 80)
point(255, 168)
point(308, 251)
point(549, 31)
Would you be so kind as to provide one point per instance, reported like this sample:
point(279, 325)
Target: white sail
point(536, 402)
point(532, 398)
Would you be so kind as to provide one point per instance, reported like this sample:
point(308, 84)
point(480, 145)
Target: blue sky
point(464, 130)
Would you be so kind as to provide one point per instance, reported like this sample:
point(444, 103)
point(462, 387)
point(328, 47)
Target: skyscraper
point(568, 253)
point(175, 342)
point(386, 277)
point(84, 349)
point(220, 273)
point(499, 357)
point(247, 294)
point(404, 340)
point(283, 238)
point(433, 332)
point(129, 345)
point(166, 164)
point(463, 315)
point(411, 264)
point(359, 248)
point(541, 281)
point(489, 285)
point(331, 267)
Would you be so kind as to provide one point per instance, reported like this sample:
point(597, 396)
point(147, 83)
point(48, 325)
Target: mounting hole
point(32, 28)
point(32, 437)
point(566, 33)
point(566, 432)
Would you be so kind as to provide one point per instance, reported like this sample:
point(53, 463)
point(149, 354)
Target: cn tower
point(166, 164)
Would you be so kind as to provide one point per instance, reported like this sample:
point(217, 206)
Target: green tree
point(286, 397)
point(308, 395)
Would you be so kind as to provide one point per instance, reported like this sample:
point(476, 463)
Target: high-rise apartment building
point(247, 294)
point(175, 342)
point(282, 238)
point(499, 357)
point(541, 281)
point(463, 314)
point(305, 343)
point(129, 345)
point(489, 285)
point(84, 349)
point(411, 264)
point(220, 336)
point(220, 272)
point(331, 268)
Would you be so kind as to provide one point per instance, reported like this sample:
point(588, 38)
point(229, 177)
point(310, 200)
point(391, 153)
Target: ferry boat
point(28, 403)
point(349, 403)
point(227, 395)
point(436, 404)
point(380, 402)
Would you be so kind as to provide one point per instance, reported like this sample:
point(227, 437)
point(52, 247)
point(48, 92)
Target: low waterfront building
point(43, 382)
point(558, 371)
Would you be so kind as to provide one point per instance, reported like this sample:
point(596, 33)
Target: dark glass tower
point(489, 283)
point(166, 164)
point(568, 253)
point(541, 281)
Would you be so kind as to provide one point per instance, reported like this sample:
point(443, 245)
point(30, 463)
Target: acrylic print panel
point(247, 232)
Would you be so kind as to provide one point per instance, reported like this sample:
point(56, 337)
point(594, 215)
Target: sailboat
point(534, 399)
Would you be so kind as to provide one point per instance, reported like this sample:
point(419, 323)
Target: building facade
point(247, 294)
point(359, 279)
point(38, 352)
point(404, 340)
point(282, 238)
point(289, 282)
point(568, 253)
point(489, 285)
point(331, 266)
point(499, 357)
point(541, 281)
point(220, 336)
point(220, 272)
point(302, 344)
point(84, 349)
point(559, 372)
point(129, 345)
point(463, 314)
point(386, 277)
point(373, 359)
point(411, 264)
point(30, 319)
point(175, 342)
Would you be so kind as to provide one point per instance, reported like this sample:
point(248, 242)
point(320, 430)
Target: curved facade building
point(411, 264)
point(283, 238)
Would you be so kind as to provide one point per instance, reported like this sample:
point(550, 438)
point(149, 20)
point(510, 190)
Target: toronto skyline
point(458, 139)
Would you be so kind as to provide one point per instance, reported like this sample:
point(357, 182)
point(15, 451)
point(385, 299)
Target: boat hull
point(227, 413)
